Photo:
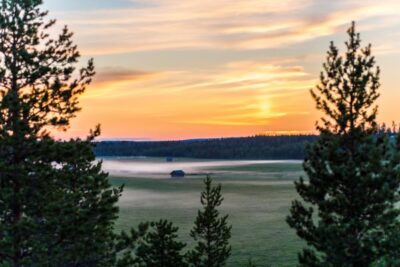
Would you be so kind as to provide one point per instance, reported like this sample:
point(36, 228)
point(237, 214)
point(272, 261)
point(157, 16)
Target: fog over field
point(159, 167)
point(257, 195)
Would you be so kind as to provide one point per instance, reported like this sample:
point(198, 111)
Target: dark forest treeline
point(256, 147)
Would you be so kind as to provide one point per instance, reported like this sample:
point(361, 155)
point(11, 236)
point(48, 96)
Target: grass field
point(257, 199)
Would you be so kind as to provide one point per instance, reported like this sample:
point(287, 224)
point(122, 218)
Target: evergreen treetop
point(348, 213)
point(160, 248)
point(211, 231)
point(348, 88)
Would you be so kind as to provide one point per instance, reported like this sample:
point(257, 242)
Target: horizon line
point(141, 139)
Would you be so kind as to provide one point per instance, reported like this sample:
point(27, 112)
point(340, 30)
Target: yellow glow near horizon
point(172, 69)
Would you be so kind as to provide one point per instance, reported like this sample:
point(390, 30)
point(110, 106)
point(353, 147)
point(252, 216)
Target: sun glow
point(171, 69)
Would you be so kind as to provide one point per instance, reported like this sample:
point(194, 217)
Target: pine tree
point(348, 208)
point(81, 210)
point(211, 231)
point(57, 208)
point(160, 248)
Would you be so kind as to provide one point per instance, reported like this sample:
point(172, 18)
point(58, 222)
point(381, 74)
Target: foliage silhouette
point(348, 214)
point(211, 232)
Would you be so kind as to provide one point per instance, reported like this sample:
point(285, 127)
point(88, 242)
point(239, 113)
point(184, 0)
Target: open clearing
point(257, 198)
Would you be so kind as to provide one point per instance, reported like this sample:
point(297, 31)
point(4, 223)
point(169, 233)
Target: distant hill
point(256, 147)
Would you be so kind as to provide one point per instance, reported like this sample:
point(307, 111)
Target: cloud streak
point(224, 24)
point(240, 93)
point(117, 75)
point(173, 68)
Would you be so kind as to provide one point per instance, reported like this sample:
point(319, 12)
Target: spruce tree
point(348, 208)
point(57, 208)
point(211, 231)
point(159, 247)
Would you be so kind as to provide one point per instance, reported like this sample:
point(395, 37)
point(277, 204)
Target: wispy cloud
point(237, 93)
point(108, 79)
point(120, 75)
point(256, 61)
point(224, 24)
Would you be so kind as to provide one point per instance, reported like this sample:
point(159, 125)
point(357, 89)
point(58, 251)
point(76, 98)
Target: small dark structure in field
point(169, 159)
point(177, 174)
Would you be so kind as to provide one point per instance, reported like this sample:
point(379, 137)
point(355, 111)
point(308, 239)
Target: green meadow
point(257, 198)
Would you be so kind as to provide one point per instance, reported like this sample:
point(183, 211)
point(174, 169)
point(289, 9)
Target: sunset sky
point(175, 69)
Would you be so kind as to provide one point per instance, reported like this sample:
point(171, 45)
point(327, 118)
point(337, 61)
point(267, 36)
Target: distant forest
point(256, 147)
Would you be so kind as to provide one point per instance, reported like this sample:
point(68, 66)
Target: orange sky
point(171, 69)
